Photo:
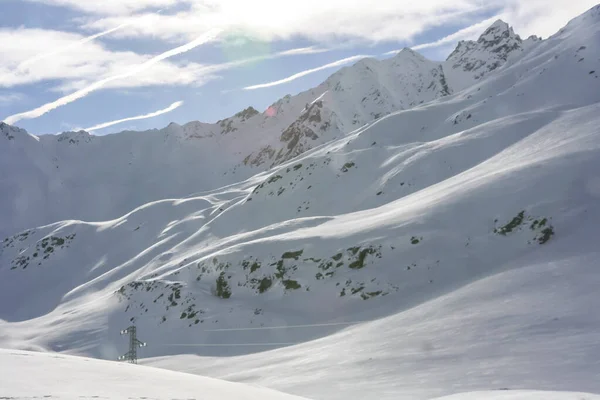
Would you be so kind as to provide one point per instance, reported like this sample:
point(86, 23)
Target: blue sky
point(47, 51)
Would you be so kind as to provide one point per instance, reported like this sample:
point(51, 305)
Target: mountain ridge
point(247, 142)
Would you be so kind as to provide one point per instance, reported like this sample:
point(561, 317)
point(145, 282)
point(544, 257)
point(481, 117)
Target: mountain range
point(180, 160)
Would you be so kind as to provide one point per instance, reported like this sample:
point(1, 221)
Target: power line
point(134, 343)
point(158, 316)
point(226, 345)
point(285, 326)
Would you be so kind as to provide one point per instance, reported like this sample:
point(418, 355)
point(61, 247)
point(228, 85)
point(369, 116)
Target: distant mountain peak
point(474, 59)
point(11, 132)
point(7, 131)
point(498, 25)
point(408, 53)
point(498, 34)
point(75, 137)
point(499, 38)
point(246, 113)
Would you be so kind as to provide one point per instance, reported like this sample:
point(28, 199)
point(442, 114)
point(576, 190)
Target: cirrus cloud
point(172, 107)
point(39, 111)
point(116, 7)
point(300, 74)
point(77, 67)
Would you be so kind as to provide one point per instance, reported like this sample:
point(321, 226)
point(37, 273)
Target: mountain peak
point(499, 24)
point(498, 33)
point(409, 53)
point(246, 113)
point(473, 59)
point(74, 137)
point(11, 132)
point(7, 131)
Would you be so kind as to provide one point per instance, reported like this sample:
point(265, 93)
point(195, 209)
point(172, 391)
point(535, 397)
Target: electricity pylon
point(134, 343)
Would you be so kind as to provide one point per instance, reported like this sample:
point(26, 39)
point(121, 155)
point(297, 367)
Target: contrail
point(97, 85)
point(306, 72)
point(465, 33)
point(304, 50)
point(172, 107)
point(70, 46)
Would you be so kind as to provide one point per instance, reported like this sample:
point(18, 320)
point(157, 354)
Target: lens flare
point(271, 111)
point(240, 45)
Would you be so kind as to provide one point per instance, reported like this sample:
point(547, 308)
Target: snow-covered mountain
point(68, 176)
point(457, 237)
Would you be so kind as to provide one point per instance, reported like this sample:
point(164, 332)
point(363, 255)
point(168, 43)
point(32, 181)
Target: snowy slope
point(27, 375)
point(533, 326)
point(519, 395)
point(67, 176)
point(462, 230)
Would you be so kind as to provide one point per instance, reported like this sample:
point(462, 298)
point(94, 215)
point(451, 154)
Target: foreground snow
point(28, 375)
point(31, 375)
point(521, 395)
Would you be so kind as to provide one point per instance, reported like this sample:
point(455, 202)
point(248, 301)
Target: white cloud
point(10, 98)
point(77, 62)
point(305, 72)
point(172, 107)
point(330, 20)
point(77, 43)
point(341, 20)
point(119, 7)
point(39, 111)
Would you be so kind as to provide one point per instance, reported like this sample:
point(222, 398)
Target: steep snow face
point(472, 60)
point(28, 375)
point(352, 97)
